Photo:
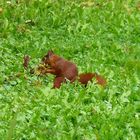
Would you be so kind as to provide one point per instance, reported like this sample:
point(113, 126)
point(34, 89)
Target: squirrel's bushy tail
point(84, 78)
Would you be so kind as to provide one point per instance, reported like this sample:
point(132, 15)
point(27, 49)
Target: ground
point(100, 36)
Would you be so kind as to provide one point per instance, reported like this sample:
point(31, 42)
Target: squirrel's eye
point(43, 59)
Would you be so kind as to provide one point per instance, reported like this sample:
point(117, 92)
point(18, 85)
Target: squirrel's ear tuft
point(47, 56)
point(50, 52)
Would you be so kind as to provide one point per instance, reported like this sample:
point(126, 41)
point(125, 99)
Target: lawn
point(100, 36)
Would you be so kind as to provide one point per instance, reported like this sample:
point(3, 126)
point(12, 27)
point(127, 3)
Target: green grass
point(102, 36)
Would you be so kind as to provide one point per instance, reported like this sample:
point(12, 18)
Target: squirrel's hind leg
point(58, 81)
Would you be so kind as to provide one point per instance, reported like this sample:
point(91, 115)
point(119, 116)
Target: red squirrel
point(64, 69)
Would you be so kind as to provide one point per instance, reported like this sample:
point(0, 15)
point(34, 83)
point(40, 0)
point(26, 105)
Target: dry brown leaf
point(26, 60)
point(1, 10)
point(87, 4)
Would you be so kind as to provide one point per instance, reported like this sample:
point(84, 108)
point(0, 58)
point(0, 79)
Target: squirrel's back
point(63, 67)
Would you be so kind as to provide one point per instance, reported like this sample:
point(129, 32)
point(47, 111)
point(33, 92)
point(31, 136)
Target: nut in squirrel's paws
point(40, 70)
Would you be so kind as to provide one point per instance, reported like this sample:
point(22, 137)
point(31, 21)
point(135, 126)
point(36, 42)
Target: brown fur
point(64, 69)
point(85, 78)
